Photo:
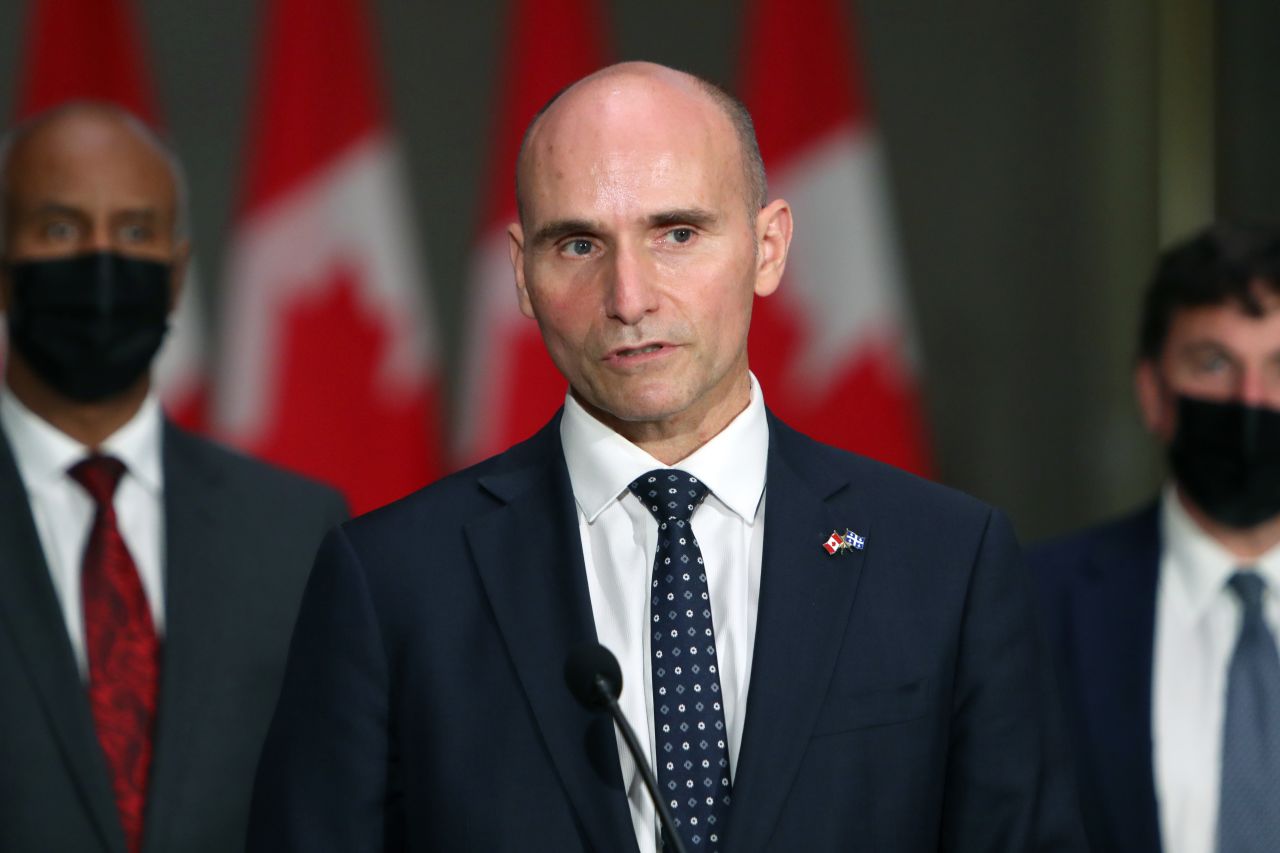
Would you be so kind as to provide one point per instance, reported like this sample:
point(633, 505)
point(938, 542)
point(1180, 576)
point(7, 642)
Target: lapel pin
point(839, 543)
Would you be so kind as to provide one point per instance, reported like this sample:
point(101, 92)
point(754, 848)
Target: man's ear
point(178, 272)
point(1154, 400)
point(773, 239)
point(515, 246)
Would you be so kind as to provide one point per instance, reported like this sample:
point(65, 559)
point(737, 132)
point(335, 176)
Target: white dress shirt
point(1197, 622)
point(63, 510)
point(620, 539)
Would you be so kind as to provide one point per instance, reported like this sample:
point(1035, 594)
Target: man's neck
point(88, 423)
point(1247, 544)
point(671, 439)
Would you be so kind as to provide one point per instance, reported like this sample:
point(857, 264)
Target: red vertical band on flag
point(318, 95)
point(510, 385)
point(834, 347)
point(90, 49)
point(329, 363)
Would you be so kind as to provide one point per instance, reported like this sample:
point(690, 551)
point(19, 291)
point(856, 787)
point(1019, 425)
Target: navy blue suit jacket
point(898, 698)
point(1098, 594)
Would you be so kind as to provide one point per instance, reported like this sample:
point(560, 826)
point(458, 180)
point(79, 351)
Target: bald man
point(819, 652)
point(148, 579)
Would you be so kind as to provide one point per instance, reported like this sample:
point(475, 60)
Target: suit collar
point(30, 613)
point(806, 596)
point(536, 519)
point(1113, 630)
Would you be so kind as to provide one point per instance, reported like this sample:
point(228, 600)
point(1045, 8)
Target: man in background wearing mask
point(149, 580)
point(1164, 623)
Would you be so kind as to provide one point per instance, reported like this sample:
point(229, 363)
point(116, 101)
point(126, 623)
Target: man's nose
point(98, 238)
point(630, 291)
point(1260, 387)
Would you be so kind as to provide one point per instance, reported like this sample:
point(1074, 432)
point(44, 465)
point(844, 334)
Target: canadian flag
point(328, 364)
point(92, 50)
point(834, 347)
point(510, 387)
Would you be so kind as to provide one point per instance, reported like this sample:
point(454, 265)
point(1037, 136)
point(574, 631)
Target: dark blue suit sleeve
point(1009, 784)
point(325, 780)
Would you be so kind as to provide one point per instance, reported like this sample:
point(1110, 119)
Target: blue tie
point(688, 714)
point(1249, 809)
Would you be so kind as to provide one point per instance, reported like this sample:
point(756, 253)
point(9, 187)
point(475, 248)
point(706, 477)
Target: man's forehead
point(626, 133)
point(82, 148)
point(627, 99)
point(1228, 324)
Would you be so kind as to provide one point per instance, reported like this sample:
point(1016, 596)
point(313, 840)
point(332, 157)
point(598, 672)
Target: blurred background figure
point(1164, 622)
point(149, 578)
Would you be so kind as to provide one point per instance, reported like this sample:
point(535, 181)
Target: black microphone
point(595, 679)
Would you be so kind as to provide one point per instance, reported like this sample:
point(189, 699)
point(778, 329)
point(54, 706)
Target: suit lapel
point(196, 543)
point(1114, 635)
point(805, 599)
point(539, 595)
point(31, 614)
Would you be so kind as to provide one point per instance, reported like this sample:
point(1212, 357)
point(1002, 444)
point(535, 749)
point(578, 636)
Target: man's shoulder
point(1121, 539)
point(892, 489)
point(192, 456)
point(460, 496)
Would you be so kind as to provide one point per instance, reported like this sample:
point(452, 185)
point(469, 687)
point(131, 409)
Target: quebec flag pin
point(840, 543)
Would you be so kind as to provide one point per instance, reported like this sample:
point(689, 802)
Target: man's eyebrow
point(1204, 346)
point(558, 229)
point(54, 208)
point(695, 216)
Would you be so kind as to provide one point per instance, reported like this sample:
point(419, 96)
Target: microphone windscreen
point(584, 665)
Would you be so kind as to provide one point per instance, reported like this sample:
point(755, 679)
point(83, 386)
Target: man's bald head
point(84, 119)
point(667, 82)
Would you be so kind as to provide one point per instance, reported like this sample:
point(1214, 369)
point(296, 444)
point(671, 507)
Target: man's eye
point(578, 248)
point(1214, 363)
point(135, 233)
point(681, 235)
point(60, 231)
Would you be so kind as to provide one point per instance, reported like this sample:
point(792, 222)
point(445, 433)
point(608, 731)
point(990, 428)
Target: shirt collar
point(602, 463)
point(44, 453)
point(1199, 566)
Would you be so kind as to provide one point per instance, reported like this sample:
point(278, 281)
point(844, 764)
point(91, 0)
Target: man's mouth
point(633, 352)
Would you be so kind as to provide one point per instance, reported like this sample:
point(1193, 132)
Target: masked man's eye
point(135, 233)
point(60, 230)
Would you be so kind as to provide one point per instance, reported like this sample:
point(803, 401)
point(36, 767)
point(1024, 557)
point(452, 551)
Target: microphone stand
point(603, 688)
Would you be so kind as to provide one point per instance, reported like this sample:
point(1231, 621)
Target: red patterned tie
point(121, 645)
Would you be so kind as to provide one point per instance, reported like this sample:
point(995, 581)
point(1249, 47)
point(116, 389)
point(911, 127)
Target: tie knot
point(669, 493)
point(1249, 587)
point(99, 475)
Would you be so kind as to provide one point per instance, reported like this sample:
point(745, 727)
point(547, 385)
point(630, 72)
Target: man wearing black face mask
point(148, 579)
point(1164, 623)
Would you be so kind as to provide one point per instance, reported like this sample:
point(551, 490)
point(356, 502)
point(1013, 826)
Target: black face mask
point(88, 325)
point(1226, 457)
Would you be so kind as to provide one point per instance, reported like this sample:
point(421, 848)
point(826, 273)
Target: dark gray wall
point(1022, 151)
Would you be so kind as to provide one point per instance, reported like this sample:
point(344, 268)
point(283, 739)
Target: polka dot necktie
point(1248, 817)
point(688, 711)
point(121, 646)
